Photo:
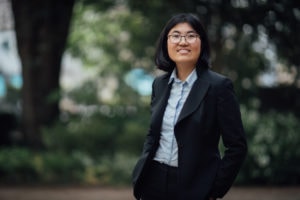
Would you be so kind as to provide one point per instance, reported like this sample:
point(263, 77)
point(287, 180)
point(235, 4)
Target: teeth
point(183, 51)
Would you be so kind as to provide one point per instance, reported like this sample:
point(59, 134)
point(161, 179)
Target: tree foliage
point(280, 19)
point(106, 42)
point(112, 37)
point(247, 37)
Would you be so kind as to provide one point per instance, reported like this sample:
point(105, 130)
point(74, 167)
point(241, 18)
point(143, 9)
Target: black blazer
point(211, 111)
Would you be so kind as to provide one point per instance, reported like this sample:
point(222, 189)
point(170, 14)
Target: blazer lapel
point(194, 99)
point(162, 93)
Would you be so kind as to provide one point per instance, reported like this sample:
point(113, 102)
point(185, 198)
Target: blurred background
point(76, 75)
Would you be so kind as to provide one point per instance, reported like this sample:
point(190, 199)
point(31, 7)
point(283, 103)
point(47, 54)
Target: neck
point(184, 71)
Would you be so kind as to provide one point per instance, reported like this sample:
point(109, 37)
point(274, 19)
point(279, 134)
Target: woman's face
point(184, 53)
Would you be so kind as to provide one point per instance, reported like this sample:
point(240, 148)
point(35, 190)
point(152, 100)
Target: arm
point(234, 140)
point(149, 140)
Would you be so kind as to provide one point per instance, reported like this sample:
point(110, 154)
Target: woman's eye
point(191, 36)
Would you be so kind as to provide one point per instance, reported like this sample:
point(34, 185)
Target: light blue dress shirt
point(167, 152)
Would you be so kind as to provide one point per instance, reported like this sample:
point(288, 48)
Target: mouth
point(183, 51)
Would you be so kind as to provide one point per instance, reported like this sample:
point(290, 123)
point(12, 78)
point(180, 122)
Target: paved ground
point(99, 193)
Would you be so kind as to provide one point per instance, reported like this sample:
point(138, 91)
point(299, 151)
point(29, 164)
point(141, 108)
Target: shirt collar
point(189, 80)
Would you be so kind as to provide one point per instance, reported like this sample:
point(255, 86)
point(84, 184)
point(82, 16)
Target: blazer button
point(180, 145)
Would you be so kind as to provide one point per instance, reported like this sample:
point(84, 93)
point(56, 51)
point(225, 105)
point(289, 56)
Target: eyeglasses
point(190, 38)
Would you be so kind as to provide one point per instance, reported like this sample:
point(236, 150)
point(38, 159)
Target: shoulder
point(220, 85)
point(161, 78)
point(214, 78)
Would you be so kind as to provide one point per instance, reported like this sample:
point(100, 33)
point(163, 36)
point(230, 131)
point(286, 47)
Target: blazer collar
point(196, 95)
point(189, 80)
point(193, 100)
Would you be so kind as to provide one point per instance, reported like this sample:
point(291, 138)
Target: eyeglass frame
point(185, 37)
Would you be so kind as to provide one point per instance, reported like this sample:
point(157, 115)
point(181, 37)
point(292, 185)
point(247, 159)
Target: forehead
point(182, 28)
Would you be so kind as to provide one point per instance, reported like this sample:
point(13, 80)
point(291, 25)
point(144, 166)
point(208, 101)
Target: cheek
point(170, 46)
point(171, 49)
point(197, 50)
point(199, 47)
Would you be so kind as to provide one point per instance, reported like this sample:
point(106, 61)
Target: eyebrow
point(175, 31)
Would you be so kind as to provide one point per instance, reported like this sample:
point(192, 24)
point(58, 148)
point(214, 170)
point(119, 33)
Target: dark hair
point(162, 59)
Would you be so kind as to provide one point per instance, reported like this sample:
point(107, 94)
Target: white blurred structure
point(10, 65)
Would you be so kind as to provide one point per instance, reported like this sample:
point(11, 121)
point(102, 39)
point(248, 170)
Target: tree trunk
point(41, 29)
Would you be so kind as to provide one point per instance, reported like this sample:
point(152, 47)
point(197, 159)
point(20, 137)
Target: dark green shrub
point(61, 168)
point(17, 166)
point(21, 165)
point(274, 153)
point(99, 134)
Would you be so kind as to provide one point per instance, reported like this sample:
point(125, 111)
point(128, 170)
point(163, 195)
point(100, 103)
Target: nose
point(181, 41)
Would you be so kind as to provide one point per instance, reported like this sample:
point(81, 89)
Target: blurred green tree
point(106, 42)
point(233, 26)
point(41, 29)
point(279, 20)
point(116, 36)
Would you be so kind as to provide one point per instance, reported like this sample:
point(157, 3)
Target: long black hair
point(162, 59)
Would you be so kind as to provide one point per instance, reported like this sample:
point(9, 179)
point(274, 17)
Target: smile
point(183, 51)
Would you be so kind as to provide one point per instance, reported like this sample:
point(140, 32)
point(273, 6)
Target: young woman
point(192, 107)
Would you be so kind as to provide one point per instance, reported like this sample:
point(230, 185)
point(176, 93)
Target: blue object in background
point(2, 86)
point(140, 81)
point(16, 81)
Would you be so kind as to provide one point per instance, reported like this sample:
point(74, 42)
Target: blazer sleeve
point(149, 140)
point(233, 136)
